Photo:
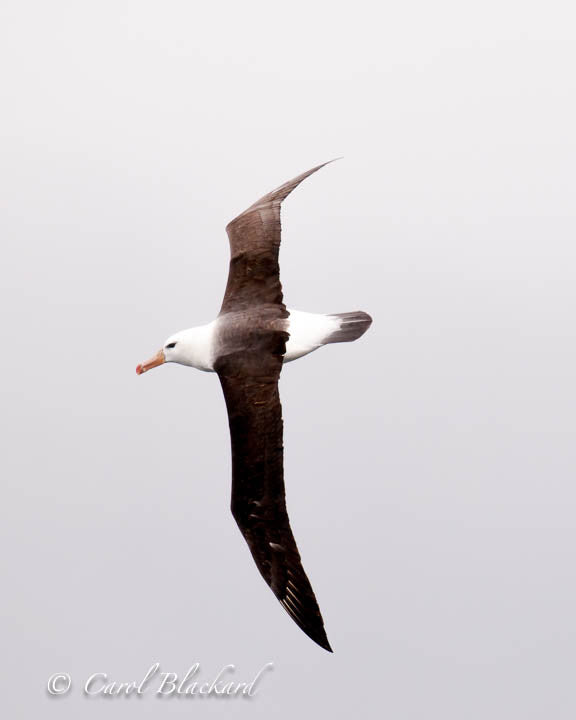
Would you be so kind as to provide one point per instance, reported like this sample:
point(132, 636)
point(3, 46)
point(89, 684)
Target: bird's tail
point(352, 326)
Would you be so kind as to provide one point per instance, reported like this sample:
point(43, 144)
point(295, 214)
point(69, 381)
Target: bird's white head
point(191, 347)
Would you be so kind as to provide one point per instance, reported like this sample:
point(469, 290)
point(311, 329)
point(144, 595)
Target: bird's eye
point(170, 346)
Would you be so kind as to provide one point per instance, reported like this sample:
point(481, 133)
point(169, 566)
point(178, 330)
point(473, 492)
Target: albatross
point(246, 346)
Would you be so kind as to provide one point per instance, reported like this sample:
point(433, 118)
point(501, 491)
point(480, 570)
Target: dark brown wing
point(249, 380)
point(254, 275)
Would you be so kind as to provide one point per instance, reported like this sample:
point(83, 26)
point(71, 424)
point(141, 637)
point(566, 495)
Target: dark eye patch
point(170, 346)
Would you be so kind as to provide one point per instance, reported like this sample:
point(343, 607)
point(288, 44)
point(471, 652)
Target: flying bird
point(253, 335)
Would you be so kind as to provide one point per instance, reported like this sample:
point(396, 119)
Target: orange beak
point(158, 359)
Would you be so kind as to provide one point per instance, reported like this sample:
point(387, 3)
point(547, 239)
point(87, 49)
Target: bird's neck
point(197, 347)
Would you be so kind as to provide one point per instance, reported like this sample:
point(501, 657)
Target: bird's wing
point(249, 380)
point(254, 275)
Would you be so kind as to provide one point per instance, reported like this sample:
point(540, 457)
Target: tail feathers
point(352, 326)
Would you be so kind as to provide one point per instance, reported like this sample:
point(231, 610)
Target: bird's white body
point(308, 332)
point(196, 346)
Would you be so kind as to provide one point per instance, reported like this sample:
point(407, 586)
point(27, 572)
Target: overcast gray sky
point(429, 466)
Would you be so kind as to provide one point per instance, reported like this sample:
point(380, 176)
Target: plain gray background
point(429, 466)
